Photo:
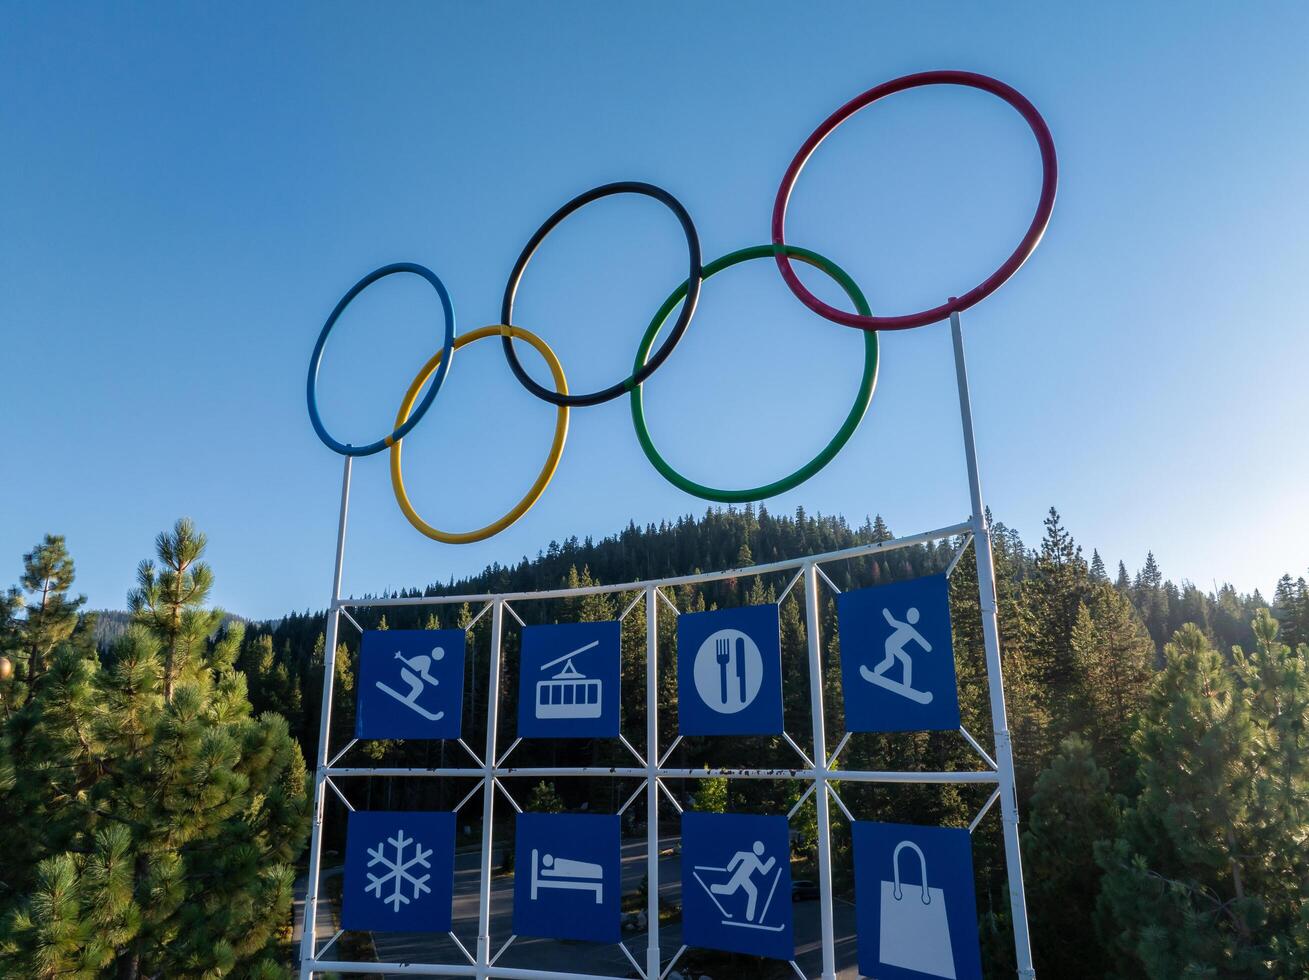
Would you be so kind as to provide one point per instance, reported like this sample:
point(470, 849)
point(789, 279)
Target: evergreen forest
point(155, 762)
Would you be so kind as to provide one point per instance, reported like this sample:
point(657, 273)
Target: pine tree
point(1284, 598)
point(1275, 682)
point(1231, 615)
point(1102, 673)
point(273, 686)
point(1149, 578)
point(1055, 593)
point(1152, 601)
point(1206, 877)
point(1098, 573)
point(1115, 668)
point(51, 614)
point(12, 690)
point(1084, 645)
point(169, 599)
point(544, 799)
point(159, 834)
point(11, 601)
point(1291, 609)
point(1300, 632)
point(1190, 606)
point(1070, 811)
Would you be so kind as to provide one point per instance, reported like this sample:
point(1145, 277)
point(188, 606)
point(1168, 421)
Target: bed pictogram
point(549, 871)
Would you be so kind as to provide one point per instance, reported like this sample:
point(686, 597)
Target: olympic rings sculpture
point(687, 296)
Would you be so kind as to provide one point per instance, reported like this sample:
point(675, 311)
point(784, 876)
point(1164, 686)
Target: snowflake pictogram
point(398, 874)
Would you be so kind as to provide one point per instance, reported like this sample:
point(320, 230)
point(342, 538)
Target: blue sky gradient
point(186, 191)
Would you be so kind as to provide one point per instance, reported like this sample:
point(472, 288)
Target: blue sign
point(399, 872)
point(568, 681)
point(897, 657)
point(736, 884)
point(567, 876)
point(411, 684)
point(729, 672)
point(915, 909)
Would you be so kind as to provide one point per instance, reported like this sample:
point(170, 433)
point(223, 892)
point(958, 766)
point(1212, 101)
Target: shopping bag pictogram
point(915, 931)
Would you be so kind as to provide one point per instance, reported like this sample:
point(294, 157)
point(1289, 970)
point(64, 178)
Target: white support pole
point(1004, 752)
point(652, 955)
point(310, 923)
point(820, 771)
point(488, 791)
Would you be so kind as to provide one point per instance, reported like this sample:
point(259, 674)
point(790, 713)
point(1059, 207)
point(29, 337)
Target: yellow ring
point(547, 471)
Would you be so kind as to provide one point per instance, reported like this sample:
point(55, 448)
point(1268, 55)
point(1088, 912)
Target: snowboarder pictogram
point(904, 633)
point(398, 874)
point(415, 673)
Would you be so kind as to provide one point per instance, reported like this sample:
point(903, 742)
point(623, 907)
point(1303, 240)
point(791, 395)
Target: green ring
point(852, 420)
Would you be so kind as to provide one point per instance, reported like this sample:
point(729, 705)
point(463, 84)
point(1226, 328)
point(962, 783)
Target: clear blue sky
point(186, 190)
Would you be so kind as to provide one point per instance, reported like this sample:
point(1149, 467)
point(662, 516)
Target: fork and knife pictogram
point(723, 657)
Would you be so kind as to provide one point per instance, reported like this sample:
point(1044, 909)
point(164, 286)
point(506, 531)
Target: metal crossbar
point(462, 948)
point(818, 770)
point(990, 800)
point(353, 622)
point(824, 576)
point(844, 554)
point(789, 586)
point(676, 956)
point(949, 569)
point(508, 942)
point(591, 772)
point(831, 760)
point(632, 799)
point(800, 802)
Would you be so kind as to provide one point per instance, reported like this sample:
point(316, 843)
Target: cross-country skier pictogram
point(741, 870)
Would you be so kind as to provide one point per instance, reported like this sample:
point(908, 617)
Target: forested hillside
point(112, 624)
point(1161, 736)
point(1142, 844)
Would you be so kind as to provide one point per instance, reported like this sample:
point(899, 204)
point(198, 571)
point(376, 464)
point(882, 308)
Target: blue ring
point(316, 360)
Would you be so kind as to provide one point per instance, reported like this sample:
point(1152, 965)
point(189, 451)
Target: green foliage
point(1208, 874)
point(1071, 809)
point(52, 616)
point(1113, 659)
point(711, 795)
point(1291, 603)
point(544, 799)
point(1080, 655)
point(1100, 757)
point(169, 601)
point(160, 818)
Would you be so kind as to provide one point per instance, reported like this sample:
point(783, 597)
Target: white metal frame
point(818, 770)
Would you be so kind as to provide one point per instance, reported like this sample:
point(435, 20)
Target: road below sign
point(547, 954)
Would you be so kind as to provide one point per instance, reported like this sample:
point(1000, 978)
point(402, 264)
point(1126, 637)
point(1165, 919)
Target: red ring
point(1049, 181)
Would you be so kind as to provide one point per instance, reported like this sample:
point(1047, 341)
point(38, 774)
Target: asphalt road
point(327, 913)
point(583, 957)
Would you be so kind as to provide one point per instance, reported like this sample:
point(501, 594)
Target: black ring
point(679, 328)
